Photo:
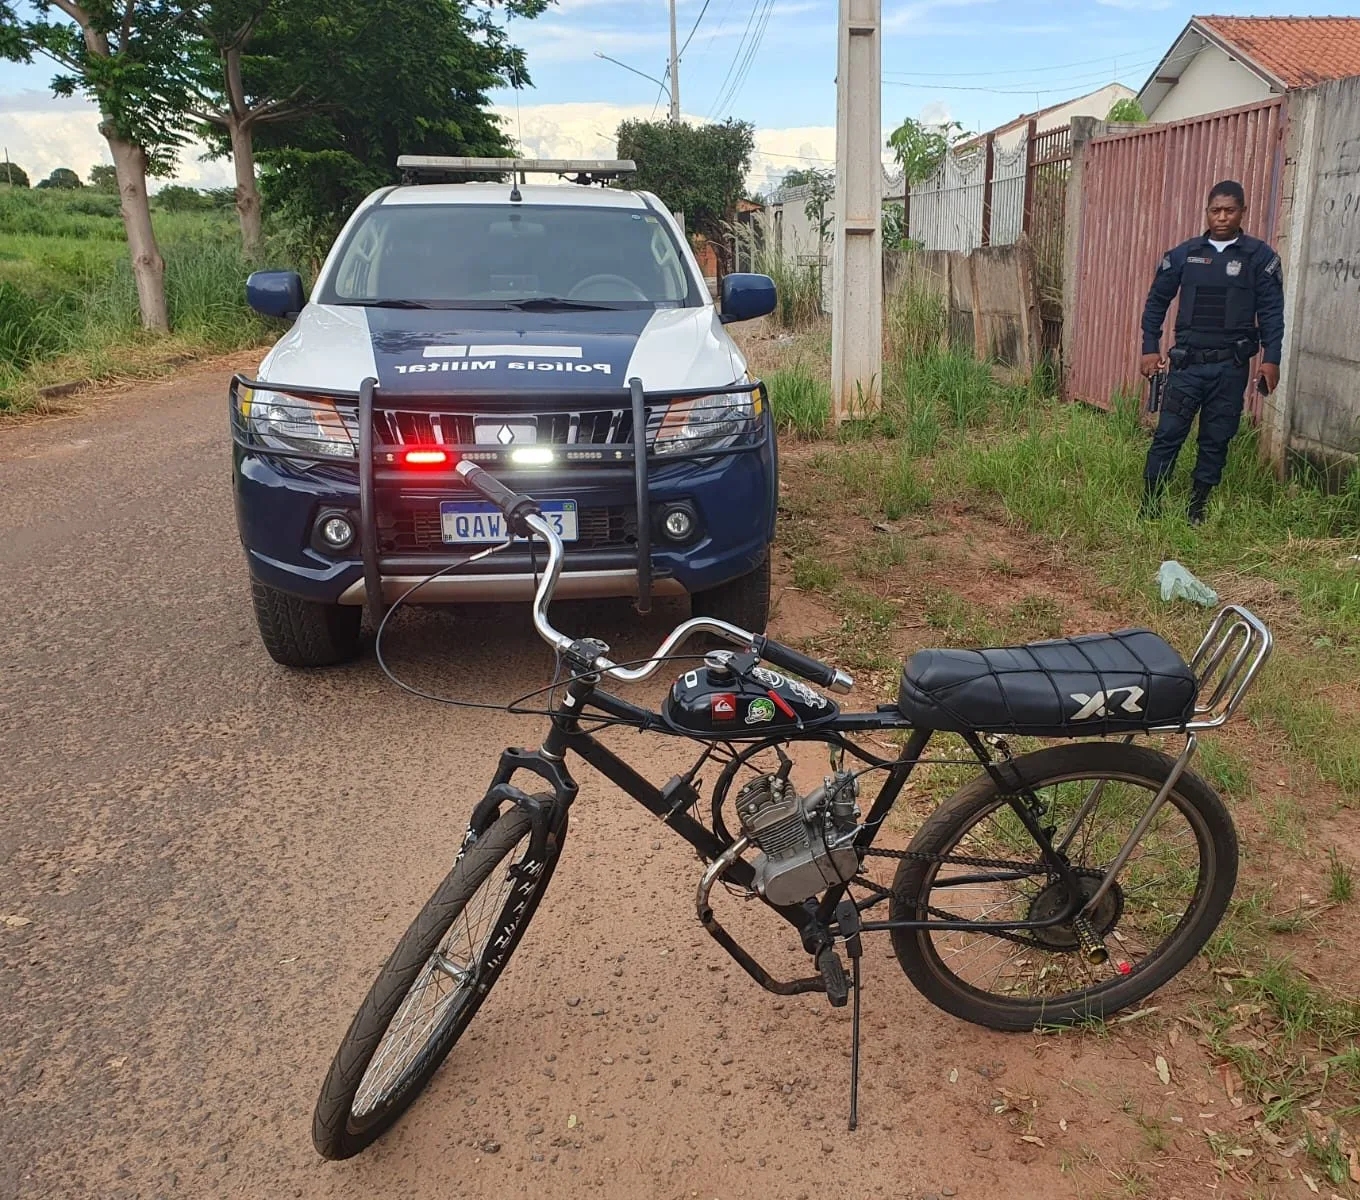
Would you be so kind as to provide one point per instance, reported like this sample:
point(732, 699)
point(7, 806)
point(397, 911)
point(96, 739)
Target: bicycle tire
point(950, 823)
point(337, 1132)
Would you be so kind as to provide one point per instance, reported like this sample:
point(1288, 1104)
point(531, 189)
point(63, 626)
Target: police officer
point(1231, 304)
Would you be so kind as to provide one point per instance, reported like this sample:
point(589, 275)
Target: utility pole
point(857, 294)
point(675, 72)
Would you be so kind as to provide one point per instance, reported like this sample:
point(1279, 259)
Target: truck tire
point(305, 633)
point(743, 602)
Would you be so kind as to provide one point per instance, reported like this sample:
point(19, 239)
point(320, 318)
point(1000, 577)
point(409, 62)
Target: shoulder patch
point(1166, 263)
point(1273, 266)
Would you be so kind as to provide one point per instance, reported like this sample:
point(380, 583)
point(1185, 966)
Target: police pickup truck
point(560, 335)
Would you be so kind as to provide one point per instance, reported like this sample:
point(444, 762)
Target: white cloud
point(586, 130)
point(43, 132)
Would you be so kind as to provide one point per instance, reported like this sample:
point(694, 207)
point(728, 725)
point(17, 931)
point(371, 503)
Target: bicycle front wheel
point(430, 989)
point(1166, 901)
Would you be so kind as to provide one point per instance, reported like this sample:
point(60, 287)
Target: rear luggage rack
point(604, 430)
point(1233, 650)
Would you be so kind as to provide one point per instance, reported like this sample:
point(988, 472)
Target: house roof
point(1038, 115)
point(1284, 52)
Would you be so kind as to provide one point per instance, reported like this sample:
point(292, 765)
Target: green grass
point(800, 400)
point(1224, 768)
point(68, 301)
point(1340, 881)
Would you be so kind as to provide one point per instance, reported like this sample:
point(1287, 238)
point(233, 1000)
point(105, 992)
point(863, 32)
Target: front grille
point(590, 427)
point(418, 530)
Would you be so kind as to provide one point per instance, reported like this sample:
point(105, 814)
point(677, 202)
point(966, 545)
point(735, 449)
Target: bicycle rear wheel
point(432, 986)
point(1166, 901)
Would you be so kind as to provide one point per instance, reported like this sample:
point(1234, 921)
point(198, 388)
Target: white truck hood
point(437, 352)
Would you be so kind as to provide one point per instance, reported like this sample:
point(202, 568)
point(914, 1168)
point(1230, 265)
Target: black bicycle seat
point(1087, 686)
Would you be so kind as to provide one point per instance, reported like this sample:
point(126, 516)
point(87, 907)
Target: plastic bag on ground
point(1179, 584)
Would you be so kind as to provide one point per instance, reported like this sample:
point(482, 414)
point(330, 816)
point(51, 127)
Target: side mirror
point(275, 293)
point(745, 297)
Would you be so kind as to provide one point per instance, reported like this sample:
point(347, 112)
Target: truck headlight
point(706, 423)
point(292, 423)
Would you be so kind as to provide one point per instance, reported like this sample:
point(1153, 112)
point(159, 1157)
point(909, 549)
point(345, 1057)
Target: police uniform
point(1232, 304)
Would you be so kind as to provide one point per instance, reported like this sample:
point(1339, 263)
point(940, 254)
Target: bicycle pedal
point(833, 977)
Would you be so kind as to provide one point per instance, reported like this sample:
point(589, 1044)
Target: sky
point(771, 62)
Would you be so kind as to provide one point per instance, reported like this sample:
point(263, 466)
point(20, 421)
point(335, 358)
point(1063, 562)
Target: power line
point(695, 30)
point(1044, 70)
point(722, 87)
point(1083, 81)
point(739, 80)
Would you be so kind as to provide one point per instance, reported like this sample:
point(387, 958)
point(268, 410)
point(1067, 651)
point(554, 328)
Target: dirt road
point(214, 855)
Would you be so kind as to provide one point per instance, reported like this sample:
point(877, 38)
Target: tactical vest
point(1218, 296)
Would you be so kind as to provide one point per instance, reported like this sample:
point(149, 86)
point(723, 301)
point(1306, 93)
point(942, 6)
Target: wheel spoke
point(447, 980)
point(1148, 902)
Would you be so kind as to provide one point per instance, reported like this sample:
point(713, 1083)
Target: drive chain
point(996, 864)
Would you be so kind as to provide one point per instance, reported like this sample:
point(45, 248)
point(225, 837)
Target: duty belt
point(1187, 356)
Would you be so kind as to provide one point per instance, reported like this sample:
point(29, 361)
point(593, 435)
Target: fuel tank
point(734, 696)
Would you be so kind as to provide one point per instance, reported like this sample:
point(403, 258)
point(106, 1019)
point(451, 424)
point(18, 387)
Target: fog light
point(679, 524)
point(337, 532)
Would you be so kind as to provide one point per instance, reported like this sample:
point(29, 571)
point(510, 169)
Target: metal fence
point(1045, 220)
point(1143, 192)
point(992, 195)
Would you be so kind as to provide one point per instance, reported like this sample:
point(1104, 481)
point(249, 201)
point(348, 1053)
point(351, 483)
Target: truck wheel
point(743, 602)
point(305, 633)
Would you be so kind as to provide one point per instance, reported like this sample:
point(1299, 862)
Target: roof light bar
point(429, 167)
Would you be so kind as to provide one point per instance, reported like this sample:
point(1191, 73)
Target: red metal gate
point(1142, 193)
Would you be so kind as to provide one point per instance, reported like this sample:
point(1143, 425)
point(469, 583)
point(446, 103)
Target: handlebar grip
point(515, 507)
point(800, 664)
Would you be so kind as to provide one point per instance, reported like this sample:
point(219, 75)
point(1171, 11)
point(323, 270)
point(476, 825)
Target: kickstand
point(847, 918)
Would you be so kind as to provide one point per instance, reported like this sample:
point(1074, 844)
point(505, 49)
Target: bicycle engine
point(806, 843)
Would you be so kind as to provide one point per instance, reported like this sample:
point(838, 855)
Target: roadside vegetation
point(68, 300)
point(972, 510)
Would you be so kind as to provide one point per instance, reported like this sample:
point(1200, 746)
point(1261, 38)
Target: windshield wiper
point(436, 304)
point(558, 304)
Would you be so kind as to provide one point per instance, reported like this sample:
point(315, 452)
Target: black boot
point(1199, 499)
point(1151, 507)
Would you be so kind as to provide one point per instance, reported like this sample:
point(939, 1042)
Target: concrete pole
point(675, 72)
point(857, 293)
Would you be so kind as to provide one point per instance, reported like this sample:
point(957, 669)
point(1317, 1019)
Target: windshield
point(498, 255)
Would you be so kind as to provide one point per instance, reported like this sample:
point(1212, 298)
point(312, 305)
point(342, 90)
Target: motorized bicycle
point(1060, 884)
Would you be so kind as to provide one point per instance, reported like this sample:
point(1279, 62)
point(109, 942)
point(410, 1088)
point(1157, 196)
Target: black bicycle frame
point(815, 920)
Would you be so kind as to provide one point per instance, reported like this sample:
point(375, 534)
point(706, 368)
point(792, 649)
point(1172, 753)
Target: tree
point(131, 57)
point(13, 174)
point(695, 169)
point(919, 149)
point(231, 28)
point(1127, 112)
point(103, 178)
point(799, 177)
point(63, 178)
point(175, 197)
point(362, 81)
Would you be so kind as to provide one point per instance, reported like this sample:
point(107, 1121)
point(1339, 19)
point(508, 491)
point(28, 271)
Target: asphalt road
point(204, 858)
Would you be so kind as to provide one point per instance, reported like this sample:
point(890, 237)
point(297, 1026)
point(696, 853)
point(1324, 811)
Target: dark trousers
point(1213, 390)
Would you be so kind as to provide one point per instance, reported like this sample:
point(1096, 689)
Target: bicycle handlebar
point(524, 519)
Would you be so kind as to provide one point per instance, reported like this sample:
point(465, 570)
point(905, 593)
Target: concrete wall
point(1211, 81)
point(1320, 391)
point(993, 304)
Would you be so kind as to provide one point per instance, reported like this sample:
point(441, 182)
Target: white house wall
point(1210, 81)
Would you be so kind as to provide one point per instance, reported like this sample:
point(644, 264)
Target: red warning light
point(425, 457)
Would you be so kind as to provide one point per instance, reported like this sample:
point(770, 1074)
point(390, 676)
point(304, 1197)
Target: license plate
point(470, 522)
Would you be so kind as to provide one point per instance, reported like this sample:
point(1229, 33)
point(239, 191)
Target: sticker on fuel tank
point(760, 711)
point(723, 706)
